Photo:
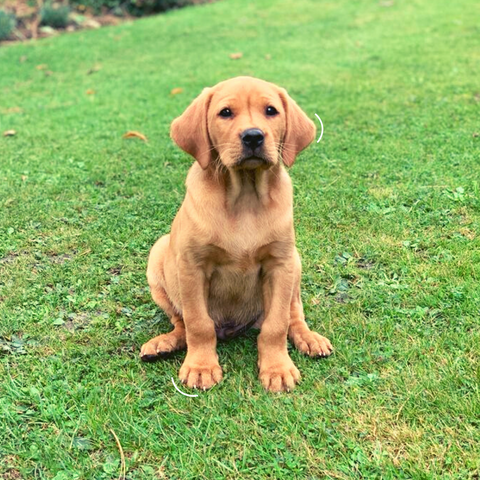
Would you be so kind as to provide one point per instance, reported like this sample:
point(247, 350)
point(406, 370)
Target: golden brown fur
point(230, 259)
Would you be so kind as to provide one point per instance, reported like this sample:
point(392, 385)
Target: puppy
point(230, 260)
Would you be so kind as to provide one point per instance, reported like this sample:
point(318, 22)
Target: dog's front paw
point(200, 374)
point(312, 344)
point(161, 346)
point(280, 376)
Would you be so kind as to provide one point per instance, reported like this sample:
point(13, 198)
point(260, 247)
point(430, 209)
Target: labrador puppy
point(230, 262)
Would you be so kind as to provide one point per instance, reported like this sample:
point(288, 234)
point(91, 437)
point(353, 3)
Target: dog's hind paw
point(159, 347)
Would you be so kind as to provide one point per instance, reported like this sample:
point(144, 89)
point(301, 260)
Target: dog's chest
point(235, 293)
point(234, 279)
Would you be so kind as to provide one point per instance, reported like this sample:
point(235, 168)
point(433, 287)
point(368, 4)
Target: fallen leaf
point(43, 66)
point(13, 110)
point(475, 135)
point(268, 56)
point(24, 177)
point(176, 91)
point(94, 69)
point(133, 134)
point(90, 91)
point(236, 56)
point(9, 133)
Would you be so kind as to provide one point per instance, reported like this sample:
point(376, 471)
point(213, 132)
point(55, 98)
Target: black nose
point(252, 138)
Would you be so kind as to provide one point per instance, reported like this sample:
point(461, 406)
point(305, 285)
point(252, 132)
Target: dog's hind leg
point(308, 342)
point(176, 339)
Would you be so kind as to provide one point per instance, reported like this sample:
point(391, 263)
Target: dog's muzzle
point(253, 150)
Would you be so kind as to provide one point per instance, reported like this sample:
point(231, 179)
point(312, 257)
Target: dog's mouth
point(251, 163)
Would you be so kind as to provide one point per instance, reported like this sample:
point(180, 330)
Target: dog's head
point(245, 123)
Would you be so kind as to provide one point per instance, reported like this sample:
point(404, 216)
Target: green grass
point(388, 224)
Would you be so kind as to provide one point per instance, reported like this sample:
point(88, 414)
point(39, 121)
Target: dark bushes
point(133, 7)
point(7, 24)
point(55, 16)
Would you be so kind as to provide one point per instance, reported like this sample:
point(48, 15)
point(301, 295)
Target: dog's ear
point(300, 130)
point(190, 132)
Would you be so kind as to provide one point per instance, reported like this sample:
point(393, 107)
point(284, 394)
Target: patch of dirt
point(78, 321)
point(11, 474)
point(59, 259)
point(10, 258)
point(342, 298)
point(365, 264)
point(69, 326)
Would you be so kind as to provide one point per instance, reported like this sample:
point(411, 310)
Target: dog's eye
point(271, 111)
point(225, 113)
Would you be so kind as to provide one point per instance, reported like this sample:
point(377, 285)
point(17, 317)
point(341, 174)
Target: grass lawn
point(387, 211)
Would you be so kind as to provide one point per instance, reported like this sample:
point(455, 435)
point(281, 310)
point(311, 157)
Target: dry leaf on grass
point(133, 134)
point(43, 66)
point(176, 91)
point(94, 69)
point(236, 56)
point(12, 110)
point(90, 91)
point(9, 133)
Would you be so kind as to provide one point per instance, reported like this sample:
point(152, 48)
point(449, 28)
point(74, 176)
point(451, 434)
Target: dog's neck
point(247, 189)
point(246, 186)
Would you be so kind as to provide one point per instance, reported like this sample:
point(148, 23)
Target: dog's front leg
point(200, 368)
point(277, 371)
